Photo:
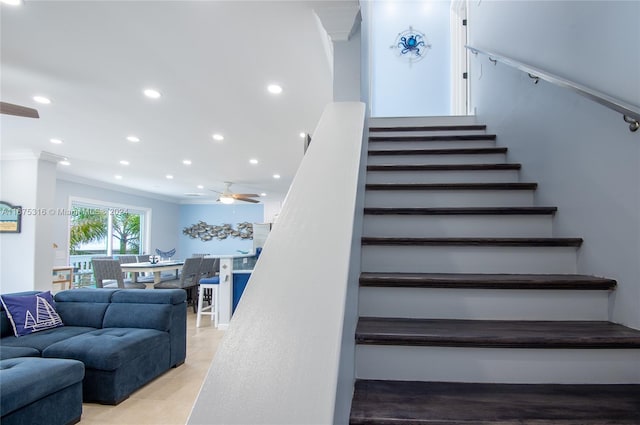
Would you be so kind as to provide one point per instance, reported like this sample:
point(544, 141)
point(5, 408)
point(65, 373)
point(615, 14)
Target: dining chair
point(126, 259)
point(208, 267)
point(188, 280)
point(108, 274)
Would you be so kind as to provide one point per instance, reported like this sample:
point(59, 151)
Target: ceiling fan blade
point(247, 195)
point(241, 198)
point(17, 110)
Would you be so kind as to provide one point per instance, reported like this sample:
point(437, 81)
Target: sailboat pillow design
point(31, 313)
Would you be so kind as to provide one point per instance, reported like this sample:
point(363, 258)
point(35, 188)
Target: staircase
point(471, 312)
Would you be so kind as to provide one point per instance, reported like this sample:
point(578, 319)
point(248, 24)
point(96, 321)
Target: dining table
point(155, 268)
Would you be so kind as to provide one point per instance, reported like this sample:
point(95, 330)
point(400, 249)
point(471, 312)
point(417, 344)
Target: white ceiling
point(212, 62)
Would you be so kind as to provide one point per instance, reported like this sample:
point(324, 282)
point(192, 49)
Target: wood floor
point(169, 398)
point(403, 403)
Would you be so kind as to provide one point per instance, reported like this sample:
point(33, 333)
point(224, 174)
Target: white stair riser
point(400, 134)
point(440, 144)
point(448, 198)
point(492, 158)
point(453, 176)
point(483, 304)
point(468, 259)
point(438, 226)
point(500, 365)
point(422, 121)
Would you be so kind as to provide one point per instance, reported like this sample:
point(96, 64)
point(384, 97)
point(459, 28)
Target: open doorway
point(418, 58)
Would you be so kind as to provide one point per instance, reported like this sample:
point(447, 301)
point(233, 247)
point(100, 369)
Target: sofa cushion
point(41, 340)
point(28, 379)
point(5, 324)
point(31, 313)
point(13, 352)
point(109, 349)
point(177, 296)
point(86, 295)
point(148, 316)
point(82, 314)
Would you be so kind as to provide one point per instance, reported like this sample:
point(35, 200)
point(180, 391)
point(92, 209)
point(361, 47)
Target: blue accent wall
point(216, 214)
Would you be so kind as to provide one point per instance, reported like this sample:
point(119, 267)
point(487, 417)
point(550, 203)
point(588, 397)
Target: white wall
point(584, 157)
point(279, 360)
point(26, 258)
point(403, 89)
point(591, 42)
point(346, 72)
point(165, 227)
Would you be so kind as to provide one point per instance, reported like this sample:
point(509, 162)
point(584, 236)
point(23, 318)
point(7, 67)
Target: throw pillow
point(31, 313)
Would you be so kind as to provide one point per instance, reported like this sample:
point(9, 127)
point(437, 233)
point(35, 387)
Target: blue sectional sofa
point(124, 339)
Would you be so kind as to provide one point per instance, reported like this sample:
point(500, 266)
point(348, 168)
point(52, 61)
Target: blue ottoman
point(40, 391)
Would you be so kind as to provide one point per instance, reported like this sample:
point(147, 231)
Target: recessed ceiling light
point(117, 177)
point(218, 137)
point(200, 186)
point(274, 89)
point(263, 194)
point(276, 176)
point(55, 141)
point(169, 176)
point(152, 93)
point(133, 139)
point(42, 99)
point(12, 2)
point(64, 162)
point(253, 161)
point(186, 161)
point(303, 135)
point(124, 162)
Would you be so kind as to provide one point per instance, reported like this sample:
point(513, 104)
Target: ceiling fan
point(228, 197)
point(17, 110)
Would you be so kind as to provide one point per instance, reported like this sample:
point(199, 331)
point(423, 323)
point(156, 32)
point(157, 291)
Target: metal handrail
point(630, 113)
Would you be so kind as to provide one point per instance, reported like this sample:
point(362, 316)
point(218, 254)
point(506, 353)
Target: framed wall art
point(10, 217)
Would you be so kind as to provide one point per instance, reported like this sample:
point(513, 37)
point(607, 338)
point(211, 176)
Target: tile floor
point(167, 399)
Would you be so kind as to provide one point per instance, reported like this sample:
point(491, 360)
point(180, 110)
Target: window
point(98, 229)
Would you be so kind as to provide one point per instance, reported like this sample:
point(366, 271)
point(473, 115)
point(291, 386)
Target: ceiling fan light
point(226, 200)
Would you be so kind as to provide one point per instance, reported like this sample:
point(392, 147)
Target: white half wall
point(279, 361)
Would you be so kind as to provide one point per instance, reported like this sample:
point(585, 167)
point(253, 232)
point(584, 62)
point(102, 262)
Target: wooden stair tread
point(451, 186)
point(410, 402)
point(459, 127)
point(486, 281)
point(456, 151)
point(495, 333)
point(546, 242)
point(443, 167)
point(438, 138)
point(463, 211)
